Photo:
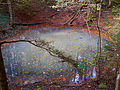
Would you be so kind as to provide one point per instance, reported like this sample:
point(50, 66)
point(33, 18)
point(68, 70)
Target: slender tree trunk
point(110, 3)
point(10, 12)
point(3, 78)
point(117, 87)
point(0, 29)
point(98, 44)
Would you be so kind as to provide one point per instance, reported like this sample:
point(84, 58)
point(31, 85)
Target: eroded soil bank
point(54, 17)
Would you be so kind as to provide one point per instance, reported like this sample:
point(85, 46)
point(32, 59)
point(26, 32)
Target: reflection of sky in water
point(28, 58)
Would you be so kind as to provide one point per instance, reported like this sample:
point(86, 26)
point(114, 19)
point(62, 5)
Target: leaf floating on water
point(33, 81)
point(47, 73)
point(33, 60)
point(28, 63)
point(82, 60)
point(109, 27)
point(61, 69)
point(26, 82)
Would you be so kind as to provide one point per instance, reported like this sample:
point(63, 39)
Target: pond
point(33, 64)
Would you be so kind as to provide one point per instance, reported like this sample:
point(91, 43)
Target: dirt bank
point(54, 17)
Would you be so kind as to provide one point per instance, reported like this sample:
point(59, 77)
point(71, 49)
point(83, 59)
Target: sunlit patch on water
point(76, 79)
point(94, 73)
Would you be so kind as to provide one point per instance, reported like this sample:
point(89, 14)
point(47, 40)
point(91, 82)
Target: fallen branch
point(51, 50)
point(27, 24)
point(54, 14)
point(74, 19)
point(75, 15)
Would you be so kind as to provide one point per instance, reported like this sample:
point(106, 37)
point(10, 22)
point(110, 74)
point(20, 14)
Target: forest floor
point(108, 20)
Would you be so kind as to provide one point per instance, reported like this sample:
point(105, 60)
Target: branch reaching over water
point(51, 50)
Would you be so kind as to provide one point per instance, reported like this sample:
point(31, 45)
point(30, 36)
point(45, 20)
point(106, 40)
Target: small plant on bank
point(102, 85)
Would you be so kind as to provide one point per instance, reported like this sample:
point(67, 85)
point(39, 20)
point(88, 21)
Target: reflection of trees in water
point(35, 61)
point(86, 64)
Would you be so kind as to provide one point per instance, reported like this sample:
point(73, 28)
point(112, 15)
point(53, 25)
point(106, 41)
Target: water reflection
point(25, 59)
point(76, 79)
point(94, 73)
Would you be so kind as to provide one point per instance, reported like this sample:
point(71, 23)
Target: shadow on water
point(33, 64)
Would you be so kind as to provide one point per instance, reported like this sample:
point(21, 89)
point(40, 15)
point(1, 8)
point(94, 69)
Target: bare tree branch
point(50, 49)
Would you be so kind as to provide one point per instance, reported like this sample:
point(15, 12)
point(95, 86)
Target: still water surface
point(25, 59)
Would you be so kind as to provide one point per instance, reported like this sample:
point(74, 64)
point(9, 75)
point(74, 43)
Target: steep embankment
point(52, 17)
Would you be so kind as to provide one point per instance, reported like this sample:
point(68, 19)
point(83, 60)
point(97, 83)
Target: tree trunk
point(110, 3)
point(0, 30)
point(3, 78)
point(10, 12)
point(117, 87)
